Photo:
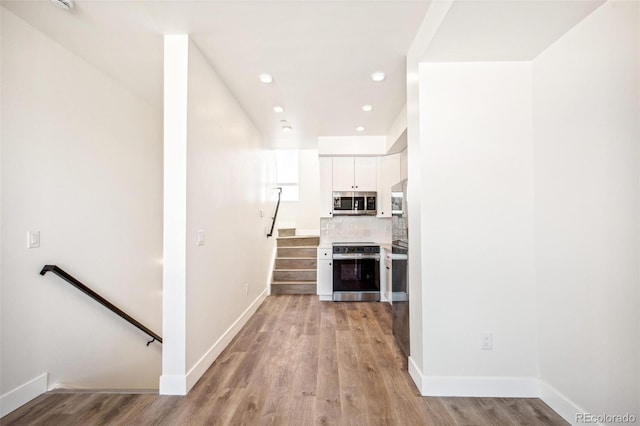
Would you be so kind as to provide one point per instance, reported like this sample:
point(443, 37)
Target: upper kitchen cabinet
point(389, 174)
point(354, 173)
point(326, 187)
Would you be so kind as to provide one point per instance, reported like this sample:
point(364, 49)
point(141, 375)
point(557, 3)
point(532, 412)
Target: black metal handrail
point(104, 302)
point(275, 214)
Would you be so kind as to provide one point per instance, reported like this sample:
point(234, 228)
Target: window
point(287, 174)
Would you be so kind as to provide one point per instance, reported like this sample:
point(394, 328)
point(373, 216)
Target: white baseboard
point(496, 387)
point(492, 387)
point(210, 356)
point(415, 373)
point(559, 403)
point(325, 297)
point(173, 384)
point(272, 266)
point(19, 396)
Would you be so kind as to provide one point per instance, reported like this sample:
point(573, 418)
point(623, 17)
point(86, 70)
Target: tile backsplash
point(399, 231)
point(355, 229)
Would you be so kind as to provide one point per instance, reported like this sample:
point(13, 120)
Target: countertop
point(386, 246)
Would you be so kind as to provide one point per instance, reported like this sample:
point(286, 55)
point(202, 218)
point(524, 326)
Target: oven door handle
point(398, 256)
point(356, 256)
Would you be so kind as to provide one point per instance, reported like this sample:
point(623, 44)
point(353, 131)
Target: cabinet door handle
point(388, 267)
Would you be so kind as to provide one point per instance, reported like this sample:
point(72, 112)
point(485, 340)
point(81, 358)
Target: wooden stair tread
point(296, 258)
point(295, 270)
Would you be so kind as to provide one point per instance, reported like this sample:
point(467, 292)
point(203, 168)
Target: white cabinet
point(388, 175)
point(326, 187)
point(365, 173)
point(354, 173)
point(325, 274)
point(343, 169)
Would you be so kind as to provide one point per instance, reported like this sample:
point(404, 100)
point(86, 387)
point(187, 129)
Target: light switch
point(33, 239)
point(200, 238)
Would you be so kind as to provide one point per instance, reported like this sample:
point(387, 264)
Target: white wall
point(227, 186)
point(81, 163)
point(225, 193)
point(352, 145)
point(396, 135)
point(304, 214)
point(586, 144)
point(477, 228)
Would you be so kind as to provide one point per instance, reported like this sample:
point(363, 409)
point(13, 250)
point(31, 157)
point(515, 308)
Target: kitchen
point(363, 242)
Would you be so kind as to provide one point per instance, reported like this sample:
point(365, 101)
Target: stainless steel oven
point(356, 272)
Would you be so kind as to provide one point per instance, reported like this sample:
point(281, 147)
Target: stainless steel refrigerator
point(400, 266)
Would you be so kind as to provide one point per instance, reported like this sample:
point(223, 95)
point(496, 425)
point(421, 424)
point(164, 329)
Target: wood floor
point(297, 362)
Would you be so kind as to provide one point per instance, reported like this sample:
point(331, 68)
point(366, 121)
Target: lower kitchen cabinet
point(325, 274)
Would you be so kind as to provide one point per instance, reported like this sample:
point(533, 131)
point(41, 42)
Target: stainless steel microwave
point(354, 203)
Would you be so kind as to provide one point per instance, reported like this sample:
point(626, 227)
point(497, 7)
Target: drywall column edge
point(434, 17)
point(176, 52)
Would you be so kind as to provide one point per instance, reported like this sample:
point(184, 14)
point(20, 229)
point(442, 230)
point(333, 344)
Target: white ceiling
point(320, 53)
point(504, 30)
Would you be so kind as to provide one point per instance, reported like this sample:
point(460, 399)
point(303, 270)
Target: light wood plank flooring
point(296, 362)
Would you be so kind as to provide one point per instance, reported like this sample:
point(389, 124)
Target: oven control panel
point(349, 249)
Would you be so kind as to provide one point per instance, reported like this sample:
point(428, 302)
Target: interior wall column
point(176, 55)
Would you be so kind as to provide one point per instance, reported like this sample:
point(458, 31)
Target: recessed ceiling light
point(360, 129)
point(287, 128)
point(278, 108)
point(367, 108)
point(64, 4)
point(377, 76)
point(265, 78)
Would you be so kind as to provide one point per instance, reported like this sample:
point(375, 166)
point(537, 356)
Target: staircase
point(296, 265)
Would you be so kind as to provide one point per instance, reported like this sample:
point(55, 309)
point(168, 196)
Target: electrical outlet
point(486, 341)
point(246, 289)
